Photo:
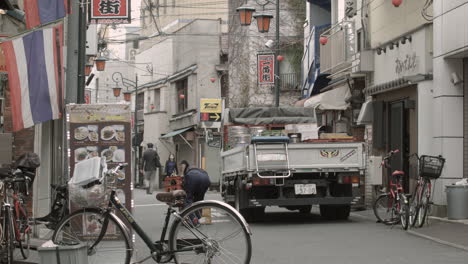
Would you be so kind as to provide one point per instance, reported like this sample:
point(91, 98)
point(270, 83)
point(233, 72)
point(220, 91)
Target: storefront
point(401, 102)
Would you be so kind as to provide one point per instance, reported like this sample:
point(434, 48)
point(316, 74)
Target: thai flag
point(35, 76)
point(44, 11)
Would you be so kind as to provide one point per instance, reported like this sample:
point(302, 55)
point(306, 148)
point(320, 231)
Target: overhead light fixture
point(405, 38)
point(393, 45)
point(245, 15)
point(263, 22)
point(379, 50)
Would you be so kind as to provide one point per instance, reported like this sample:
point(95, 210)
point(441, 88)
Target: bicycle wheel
point(210, 232)
point(384, 209)
point(23, 232)
point(85, 226)
point(404, 211)
point(8, 236)
point(414, 206)
point(424, 205)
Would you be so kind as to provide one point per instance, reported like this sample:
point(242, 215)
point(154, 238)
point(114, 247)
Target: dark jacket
point(196, 184)
point(150, 160)
point(171, 167)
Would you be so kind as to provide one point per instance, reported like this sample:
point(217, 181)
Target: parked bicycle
point(58, 210)
point(393, 207)
point(430, 168)
point(205, 232)
point(15, 227)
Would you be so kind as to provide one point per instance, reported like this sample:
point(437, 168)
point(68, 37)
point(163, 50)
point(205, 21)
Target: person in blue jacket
point(196, 183)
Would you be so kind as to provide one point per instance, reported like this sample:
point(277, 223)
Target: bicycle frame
point(114, 202)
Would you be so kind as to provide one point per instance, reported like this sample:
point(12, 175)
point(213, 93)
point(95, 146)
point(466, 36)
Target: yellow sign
point(211, 106)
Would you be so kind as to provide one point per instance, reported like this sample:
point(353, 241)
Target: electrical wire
point(424, 12)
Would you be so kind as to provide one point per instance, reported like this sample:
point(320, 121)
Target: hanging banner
point(102, 130)
point(266, 69)
point(110, 12)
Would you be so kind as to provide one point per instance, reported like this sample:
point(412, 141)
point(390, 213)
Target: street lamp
point(116, 91)
point(100, 63)
point(88, 69)
point(245, 13)
point(118, 78)
point(263, 23)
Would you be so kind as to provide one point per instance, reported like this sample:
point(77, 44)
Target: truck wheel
point(328, 212)
point(257, 214)
point(342, 212)
point(245, 212)
point(305, 209)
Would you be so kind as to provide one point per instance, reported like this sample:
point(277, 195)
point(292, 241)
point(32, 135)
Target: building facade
point(186, 65)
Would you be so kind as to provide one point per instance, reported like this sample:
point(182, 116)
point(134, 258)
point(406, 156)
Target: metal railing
point(336, 56)
point(289, 81)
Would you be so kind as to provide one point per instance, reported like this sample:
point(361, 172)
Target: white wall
point(388, 22)
point(450, 38)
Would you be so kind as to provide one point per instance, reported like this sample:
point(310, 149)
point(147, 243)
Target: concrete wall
point(450, 45)
point(388, 22)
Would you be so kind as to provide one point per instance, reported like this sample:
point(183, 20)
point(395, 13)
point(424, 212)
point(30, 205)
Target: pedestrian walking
point(171, 166)
point(150, 163)
point(196, 183)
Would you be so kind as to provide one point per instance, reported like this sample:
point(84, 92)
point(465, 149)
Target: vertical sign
point(266, 69)
point(350, 8)
point(87, 96)
point(110, 12)
point(102, 130)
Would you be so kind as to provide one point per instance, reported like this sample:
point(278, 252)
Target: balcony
point(336, 56)
point(289, 81)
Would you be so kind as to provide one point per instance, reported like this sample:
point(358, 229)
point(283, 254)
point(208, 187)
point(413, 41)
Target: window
point(156, 104)
point(182, 93)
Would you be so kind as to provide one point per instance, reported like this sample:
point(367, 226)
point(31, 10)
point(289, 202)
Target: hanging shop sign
point(266, 69)
point(211, 109)
point(110, 12)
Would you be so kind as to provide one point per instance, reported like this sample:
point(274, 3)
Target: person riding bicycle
point(196, 183)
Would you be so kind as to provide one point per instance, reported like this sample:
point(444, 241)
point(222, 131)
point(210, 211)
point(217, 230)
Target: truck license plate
point(305, 189)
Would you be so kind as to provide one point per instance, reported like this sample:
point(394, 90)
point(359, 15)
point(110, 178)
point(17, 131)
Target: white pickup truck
point(271, 171)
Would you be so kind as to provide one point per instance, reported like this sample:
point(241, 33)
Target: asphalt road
point(288, 237)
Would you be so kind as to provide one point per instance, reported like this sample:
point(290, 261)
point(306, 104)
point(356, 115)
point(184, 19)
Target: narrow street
point(288, 237)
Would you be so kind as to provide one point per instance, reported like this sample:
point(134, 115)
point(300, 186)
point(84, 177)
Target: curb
point(440, 241)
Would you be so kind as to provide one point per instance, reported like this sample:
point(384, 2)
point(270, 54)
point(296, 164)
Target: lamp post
point(263, 23)
point(118, 78)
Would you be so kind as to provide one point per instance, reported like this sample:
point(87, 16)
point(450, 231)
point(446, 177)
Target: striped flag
point(35, 76)
point(40, 12)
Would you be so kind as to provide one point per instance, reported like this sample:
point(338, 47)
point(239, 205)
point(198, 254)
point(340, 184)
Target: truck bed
point(303, 157)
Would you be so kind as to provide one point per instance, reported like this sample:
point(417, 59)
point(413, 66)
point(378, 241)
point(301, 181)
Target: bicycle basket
point(431, 166)
point(93, 196)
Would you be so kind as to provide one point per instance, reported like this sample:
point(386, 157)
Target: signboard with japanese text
point(110, 12)
point(102, 130)
point(266, 69)
point(87, 96)
point(211, 109)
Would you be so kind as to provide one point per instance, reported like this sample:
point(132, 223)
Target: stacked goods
point(238, 136)
point(173, 183)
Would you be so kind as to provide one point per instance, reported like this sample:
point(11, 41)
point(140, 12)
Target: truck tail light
point(355, 179)
point(260, 181)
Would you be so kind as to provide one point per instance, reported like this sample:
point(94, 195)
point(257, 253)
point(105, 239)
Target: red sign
point(110, 11)
point(87, 96)
point(266, 69)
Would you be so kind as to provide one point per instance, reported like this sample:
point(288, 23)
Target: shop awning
point(331, 100)
point(175, 132)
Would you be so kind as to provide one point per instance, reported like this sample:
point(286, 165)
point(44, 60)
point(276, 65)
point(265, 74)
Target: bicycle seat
point(398, 173)
point(171, 197)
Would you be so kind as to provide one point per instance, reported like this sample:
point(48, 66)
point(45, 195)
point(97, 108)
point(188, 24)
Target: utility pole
point(135, 132)
point(82, 51)
point(277, 69)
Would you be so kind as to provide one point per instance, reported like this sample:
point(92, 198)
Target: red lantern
point(127, 96)
point(212, 79)
point(323, 40)
point(152, 106)
point(280, 57)
point(397, 3)
point(181, 96)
